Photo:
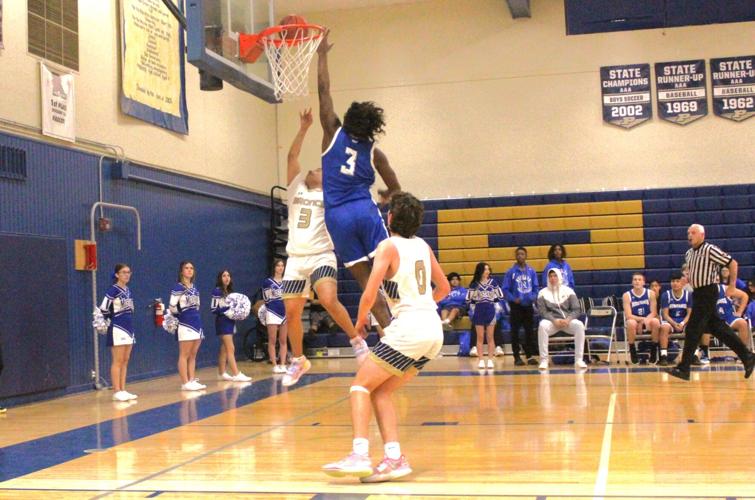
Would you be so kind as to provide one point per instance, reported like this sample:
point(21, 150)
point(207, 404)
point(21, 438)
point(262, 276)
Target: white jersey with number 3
point(413, 276)
point(307, 234)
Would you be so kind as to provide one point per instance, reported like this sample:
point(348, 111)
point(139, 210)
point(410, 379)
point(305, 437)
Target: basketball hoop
point(289, 49)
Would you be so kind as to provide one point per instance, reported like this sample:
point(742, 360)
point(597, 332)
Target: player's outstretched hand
point(385, 196)
point(305, 118)
point(325, 45)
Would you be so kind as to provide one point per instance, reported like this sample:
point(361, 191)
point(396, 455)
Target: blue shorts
point(356, 228)
point(484, 314)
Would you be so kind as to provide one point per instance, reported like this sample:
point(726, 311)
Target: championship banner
point(626, 94)
point(58, 104)
point(153, 87)
point(733, 87)
point(681, 91)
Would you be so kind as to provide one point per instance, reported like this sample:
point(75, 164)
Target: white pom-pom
point(99, 322)
point(170, 322)
point(239, 306)
point(262, 315)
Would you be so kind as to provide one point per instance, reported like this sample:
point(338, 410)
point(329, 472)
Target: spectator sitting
point(731, 306)
point(741, 285)
point(560, 310)
point(656, 287)
point(640, 315)
point(452, 306)
point(556, 260)
point(676, 308)
point(751, 290)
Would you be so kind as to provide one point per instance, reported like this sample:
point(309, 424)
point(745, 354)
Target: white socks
point(393, 450)
point(361, 446)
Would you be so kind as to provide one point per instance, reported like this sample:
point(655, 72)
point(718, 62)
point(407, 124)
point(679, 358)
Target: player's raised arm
point(387, 174)
point(385, 256)
point(328, 117)
point(438, 277)
point(305, 121)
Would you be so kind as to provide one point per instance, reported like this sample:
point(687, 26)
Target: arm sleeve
point(507, 287)
point(719, 256)
point(470, 296)
point(542, 309)
point(574, 310)
point(571, 275)
point(107, 304)
point(498, 291)
point(217, 297)
point(173, 306)
point(535, 285)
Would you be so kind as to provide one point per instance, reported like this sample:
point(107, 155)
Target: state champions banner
point(626, 94)
point(681, 91)
point(153, 86)
point(733, 82)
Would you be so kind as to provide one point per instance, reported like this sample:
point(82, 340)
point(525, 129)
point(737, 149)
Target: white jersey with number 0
point(307, 234)
point(413, 276)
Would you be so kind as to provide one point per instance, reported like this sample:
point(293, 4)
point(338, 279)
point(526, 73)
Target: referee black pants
point(522, 317)
point(704, 319)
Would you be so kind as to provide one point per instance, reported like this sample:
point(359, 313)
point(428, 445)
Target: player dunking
point(349, 161)
point(413, 338)
point(310, 258)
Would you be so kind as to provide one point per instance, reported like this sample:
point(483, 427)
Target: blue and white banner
point(626, 94)
point(681, 91)
point(153, 86)
point(58, 104)
point(733, 87)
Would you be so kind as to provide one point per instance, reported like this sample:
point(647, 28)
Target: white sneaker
point(189, 386)
point(225, 376)
point(580, 364)
point(498, 351)
point(481, 364)
point(473, 352)
point(279, 369)
point(198, 386)
point(240, 377)
point(490, 364)
point(131, 396)
point(121, 396)
point(543, 365)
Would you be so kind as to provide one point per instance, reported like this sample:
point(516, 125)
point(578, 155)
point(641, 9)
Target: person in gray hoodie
point(559, 309)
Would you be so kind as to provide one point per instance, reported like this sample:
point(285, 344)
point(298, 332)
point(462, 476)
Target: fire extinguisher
point(159, 308)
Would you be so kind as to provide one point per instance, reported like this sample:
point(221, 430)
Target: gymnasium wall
point(232, 135)
point(213, 225)
point(479, 104)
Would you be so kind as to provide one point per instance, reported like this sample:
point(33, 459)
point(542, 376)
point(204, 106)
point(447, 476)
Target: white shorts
point(121, 337)
point(187, 333)
point(673, 330)
point(305, 271)
point(411, 340)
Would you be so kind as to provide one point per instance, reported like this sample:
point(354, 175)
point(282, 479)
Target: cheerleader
point(225, 328)
point(118, 306)
point(184, 304)
point(272, 292)
point(483, 295)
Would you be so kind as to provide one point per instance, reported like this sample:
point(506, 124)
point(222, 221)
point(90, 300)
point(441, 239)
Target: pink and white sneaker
point(353, 465)
point(296, 369)
point(361, 349)
point(388, 470)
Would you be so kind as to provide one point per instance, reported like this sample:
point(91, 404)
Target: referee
point(704, 262)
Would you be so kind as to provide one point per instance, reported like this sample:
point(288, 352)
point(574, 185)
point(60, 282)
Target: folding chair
point(600, 324)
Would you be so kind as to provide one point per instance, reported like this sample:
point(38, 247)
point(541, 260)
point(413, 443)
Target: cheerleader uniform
point(272, 292)
point(184, 304)
point(223, 324)
point(483, 298)
point(118, 306)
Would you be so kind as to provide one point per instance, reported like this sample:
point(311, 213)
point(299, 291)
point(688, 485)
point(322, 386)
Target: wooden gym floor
point(618, 432)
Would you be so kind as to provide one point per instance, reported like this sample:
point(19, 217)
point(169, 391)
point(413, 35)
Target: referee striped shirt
point(704, 264)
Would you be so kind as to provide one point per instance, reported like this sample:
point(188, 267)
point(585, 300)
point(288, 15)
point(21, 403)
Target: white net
point(289, 52)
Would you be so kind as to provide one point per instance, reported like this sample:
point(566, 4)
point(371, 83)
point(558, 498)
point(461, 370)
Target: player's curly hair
point(406, 214)
point(364, 120)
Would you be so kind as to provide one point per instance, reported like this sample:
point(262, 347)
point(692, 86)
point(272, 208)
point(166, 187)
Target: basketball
point(292, 34)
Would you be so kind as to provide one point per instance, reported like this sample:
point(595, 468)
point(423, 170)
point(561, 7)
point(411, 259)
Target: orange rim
point(266, 35)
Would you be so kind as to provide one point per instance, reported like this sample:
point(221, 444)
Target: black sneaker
point(633, 355)
point(531, 361)
point(663, 361)
point(518, 361)
point(696, 361)
point(749, 365)
point(653, 356)
point(676, 372)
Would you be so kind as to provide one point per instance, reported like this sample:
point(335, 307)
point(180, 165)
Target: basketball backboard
point(212, 27)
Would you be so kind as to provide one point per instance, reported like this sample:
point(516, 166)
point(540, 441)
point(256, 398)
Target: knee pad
point(358, 388)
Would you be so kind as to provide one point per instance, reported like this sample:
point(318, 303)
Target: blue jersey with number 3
point(347, 170)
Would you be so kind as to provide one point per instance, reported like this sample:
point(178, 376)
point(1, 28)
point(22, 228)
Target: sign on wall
point(152, 63)
point(733, 87)
point(681, 90)
point(626, 94)
point(58, 104)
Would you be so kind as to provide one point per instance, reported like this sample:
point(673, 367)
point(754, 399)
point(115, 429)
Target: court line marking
point(601, 480)
point(226, 446)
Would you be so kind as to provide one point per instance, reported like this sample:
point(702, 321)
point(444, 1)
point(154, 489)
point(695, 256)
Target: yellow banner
point(151, 64)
